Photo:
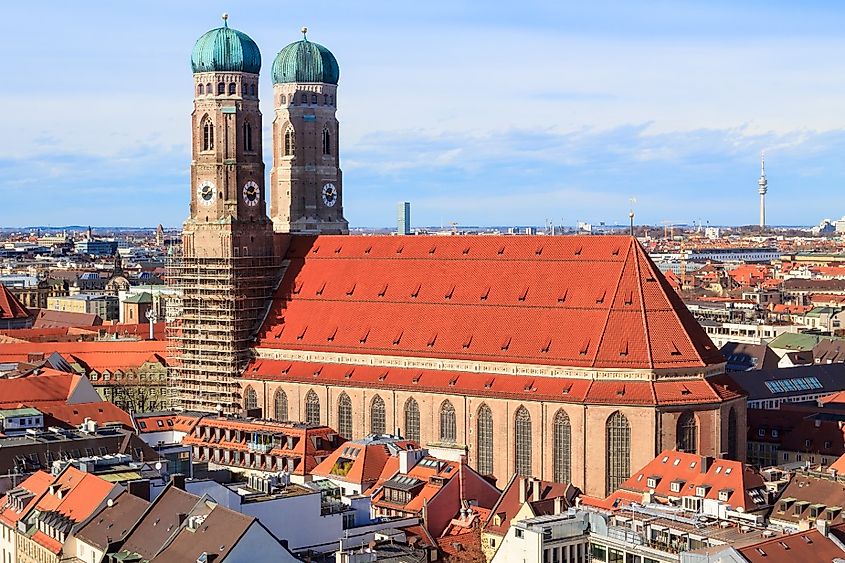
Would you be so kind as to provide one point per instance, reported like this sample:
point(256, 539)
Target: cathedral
point(567, 358)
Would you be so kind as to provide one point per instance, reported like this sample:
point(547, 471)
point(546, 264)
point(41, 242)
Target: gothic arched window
point(305, 99)
point(200, 90)
point(312, 408)
point(687, 433)
point(314, 99)
point(252, 89)
point(344, 416)
point(331, 100)
point(207, 134)
point(290, 141)
point(377, 416)
point(208, 89)
point(221, 88)
point(562, 448)
point(522, 441)
point(325, 99)
point(484, 435)
point(247, 136)
point(280, 404)
point(618, 443)
point(412, 420)
point(250, 399)
point(232, 88)
point(283, 100)
point(327, 141)
point(448, 423)
point(732, 437)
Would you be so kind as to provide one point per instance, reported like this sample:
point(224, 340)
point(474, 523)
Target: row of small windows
point(315, 99)
point(208, 135)
point(290, 141)
point(222, 88)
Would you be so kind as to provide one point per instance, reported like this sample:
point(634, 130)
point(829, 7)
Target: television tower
point(764, 185)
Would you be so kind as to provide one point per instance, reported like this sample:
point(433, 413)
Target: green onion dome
point(305, 61)
point(226, 50)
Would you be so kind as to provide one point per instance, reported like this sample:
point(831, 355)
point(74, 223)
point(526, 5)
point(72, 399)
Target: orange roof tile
point(10, 306)
point(595, 301)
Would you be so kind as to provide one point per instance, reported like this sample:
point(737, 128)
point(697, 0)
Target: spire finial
point(304, 31)
point(225, 17)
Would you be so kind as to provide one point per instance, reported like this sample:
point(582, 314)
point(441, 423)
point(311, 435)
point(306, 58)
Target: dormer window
point(652, 482)
point(676, 486)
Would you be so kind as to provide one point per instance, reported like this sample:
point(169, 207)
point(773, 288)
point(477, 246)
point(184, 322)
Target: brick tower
point(306, 177)
point(226, 270)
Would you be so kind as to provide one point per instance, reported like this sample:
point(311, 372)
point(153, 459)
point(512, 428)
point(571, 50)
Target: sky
point(481, 113)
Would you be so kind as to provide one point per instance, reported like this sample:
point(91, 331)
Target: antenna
point(633, 202)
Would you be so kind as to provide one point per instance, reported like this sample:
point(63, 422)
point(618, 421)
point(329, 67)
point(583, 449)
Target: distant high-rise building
point(403, 218)
point(763, 189)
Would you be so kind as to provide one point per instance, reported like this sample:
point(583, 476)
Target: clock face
point(252, 193)
point(206, 192)
point(329, 195)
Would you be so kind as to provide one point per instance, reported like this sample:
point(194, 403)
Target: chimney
point(178, 480)
point(706, 463)
point(823, 526)
point(139, 488)
point(535, 493)
point(559, 505)
point(522, 483)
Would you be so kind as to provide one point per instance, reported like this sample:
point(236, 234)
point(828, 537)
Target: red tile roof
point(587, 301)
point(36, 484)
point(508, 505)
point(360, 461)
point(97, 355)
point(564, 390)
point(10, 306)
point(809, 545)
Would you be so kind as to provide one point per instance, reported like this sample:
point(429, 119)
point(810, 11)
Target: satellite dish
point(110, 502)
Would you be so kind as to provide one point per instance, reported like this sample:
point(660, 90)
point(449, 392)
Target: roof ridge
point(649, 353)
point(610, 309)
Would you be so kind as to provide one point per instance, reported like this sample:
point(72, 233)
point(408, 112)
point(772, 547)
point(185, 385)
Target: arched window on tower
point(484, 435)
point(221, 88)
point(283, 100)
point(412, 420)
point(314, 99)
point(232, 88)
point(208, 89)
point(200, 90)
point(344, 416)
point(312, 408)
point(377, 416)
point(280, 404)
point(247, 133)
point(331, 100)
point(325, 99)
point(290, 141)
point(687, 433)
point(327, 141)
point(618, 444)
point(448, 423)
point(732, 436)
point(252, 89)
point(522, 442)
point(305, 99)
point(250, 398)
point(562, 448)
point(207, 134)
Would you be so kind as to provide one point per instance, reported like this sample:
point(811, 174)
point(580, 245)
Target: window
point(200, 90)
point(484, 434)
point(252, 89)
point(377, 416)
point(207, 134)
point(289, 141)
point(305, 98)
point(618, 444)
point(232, 88)
point(312, 408)
point(344, 416)
point(522, 442)
point(313, 98)
point(412, 420)
point(687, 433)
point(221, 88)
point(327, 141)
point(244, 90)
point(732, 434)
point(562, 449)
point(325, 99)
point(251, 399)
point(247, 134)
point(208, 88)
point(448, 424)
point(280, 405)
point(283, 100)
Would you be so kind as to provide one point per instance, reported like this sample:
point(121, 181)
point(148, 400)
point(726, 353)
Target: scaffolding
point(222, 303)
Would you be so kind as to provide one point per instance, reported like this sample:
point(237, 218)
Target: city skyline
point(467, 127)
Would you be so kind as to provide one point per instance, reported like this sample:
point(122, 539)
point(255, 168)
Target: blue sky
point(484, 113)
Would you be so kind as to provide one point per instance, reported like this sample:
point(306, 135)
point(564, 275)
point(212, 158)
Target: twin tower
point(227, 167)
